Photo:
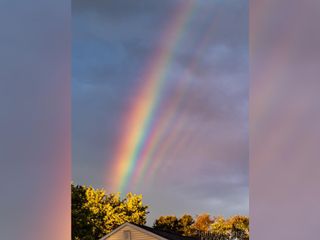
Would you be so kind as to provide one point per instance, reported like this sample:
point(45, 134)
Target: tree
point(182, 226)
point(167, 224)
point(206, 227)
point(236, 227)
point(186, 225)
point(239, 227)
point(203, 222)
point(95, 213)
point(221, 228)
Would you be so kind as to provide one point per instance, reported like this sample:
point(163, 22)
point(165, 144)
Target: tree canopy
point(95, 213)
point(167, 223)
point(215, 228)
point(203, 222)
point(182, 226)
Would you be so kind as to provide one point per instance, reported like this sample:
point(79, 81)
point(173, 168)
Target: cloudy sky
point(199, 162)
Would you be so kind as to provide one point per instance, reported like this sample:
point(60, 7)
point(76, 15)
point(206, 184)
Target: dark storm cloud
point(112, 45)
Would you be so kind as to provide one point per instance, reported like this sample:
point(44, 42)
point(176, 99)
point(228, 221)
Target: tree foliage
point(167, 223)
point(215, 228)
point(95, 213)
point(186, 225)
point(182, 226)
point(239, 227)
point(203, 222)
point(220, 227)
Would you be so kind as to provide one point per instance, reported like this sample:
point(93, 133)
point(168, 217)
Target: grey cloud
point(112, 45)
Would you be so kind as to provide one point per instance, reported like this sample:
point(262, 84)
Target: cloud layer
point(205, 169)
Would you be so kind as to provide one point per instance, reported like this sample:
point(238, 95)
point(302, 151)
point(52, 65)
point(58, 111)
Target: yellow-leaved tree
point(95, 213)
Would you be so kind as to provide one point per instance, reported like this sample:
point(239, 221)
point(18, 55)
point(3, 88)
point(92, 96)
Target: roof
point(161, 234)
point(167, 235)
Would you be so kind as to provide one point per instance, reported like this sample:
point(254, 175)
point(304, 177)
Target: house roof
point(161, 234)
point(167, 235)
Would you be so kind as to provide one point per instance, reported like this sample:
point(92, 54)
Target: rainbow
point(141, 116)
point(144, 129)
point(172, 121)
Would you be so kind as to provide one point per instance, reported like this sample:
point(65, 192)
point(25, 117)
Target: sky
point(160, 102)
